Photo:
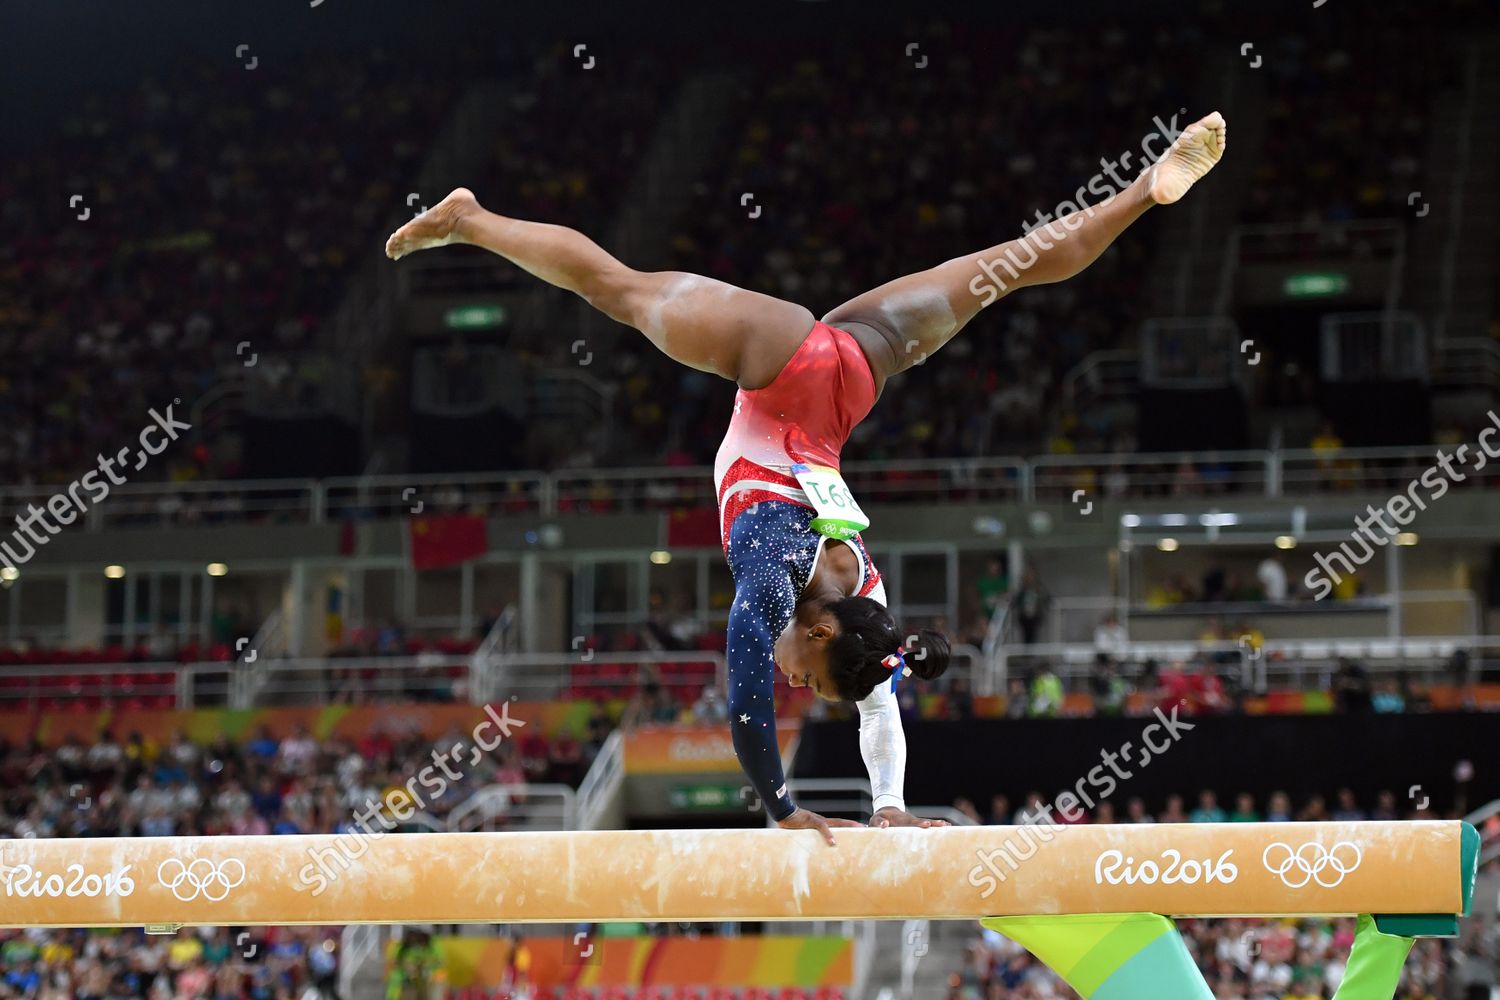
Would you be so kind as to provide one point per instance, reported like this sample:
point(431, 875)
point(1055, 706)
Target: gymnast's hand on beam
point(891, 816)
point(802, 819)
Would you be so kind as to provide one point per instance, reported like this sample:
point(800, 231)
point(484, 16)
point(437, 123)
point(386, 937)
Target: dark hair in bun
point(867, 635)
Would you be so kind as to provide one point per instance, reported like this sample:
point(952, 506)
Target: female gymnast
point(808, 600)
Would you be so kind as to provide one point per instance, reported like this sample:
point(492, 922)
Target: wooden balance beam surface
point(1208, 869)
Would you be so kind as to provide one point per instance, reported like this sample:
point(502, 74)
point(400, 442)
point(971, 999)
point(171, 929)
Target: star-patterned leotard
point(804, 415)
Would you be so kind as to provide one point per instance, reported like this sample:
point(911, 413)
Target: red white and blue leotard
point(805, 415)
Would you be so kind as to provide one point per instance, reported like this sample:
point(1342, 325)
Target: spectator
point(1244, 809)
point(1272, 576)
point(1135, 811)
point(999, 811)
point(1279, 808)
point(958, 702)
point(565, 761)
point(993, 585)
point(710, 708)
point(599, 728)
point(1111, 637)
point(663, 708)
point(1031, 811)
point(1046, 697)
point(297, 752)
point(264, 746)
point(1351, 687)
point(1315, 811)
point(1413, 692)
point(1208, 810)
point(1173, 812)
point(1029, 605)
point(1197, 693)
point(1326, 445)
point(1475, 971)
point(1108, 688)
point(1017, 701)
point(1387, 698)
point(1348, 809)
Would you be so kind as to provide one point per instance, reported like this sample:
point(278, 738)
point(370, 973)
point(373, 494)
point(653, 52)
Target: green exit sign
point(1315, 284)
point(716, 798)
point(474, 317)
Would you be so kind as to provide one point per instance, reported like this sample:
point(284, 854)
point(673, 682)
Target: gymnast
point(808, 600)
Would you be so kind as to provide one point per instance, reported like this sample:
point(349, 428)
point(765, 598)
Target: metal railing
point(1295, 664)
point(1290, 663)
point(1467, 363)
point(426, 676)
point(548, 675)
point(1072, 619)
point(497, 643)
point(269, 642)
point(217, 683)
point(851, 796)
point(29, 686)
point(602, 784)
point(517, 806)
point(1005, 479)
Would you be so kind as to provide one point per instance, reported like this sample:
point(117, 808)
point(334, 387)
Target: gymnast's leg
point(709, 325)
point(921, 312)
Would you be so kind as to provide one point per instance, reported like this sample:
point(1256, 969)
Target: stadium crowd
point(139, 254)
point(257, 786)
point(179, 269)
point(211, 963)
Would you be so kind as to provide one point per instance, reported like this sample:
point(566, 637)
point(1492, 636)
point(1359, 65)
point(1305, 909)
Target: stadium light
point(1167, 544)
point(1406, 538)
point(218, 569)
point(10, 574)
point(114, 572)
point(661, 557)
point(1286, 542)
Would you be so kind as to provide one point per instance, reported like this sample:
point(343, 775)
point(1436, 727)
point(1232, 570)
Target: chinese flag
point(440, 540)
point(692, 527)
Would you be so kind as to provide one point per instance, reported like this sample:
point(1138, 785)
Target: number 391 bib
point(838, 513)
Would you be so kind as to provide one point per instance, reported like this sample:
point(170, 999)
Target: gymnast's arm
point(882, 744)
point(763, 603)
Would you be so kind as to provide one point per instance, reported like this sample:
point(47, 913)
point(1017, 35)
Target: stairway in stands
point(1452, 253)
point(1195, 239)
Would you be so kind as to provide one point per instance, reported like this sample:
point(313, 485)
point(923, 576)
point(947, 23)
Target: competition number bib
point(837, 512)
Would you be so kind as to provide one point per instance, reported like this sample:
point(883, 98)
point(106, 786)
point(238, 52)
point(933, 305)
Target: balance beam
point(1208, 869)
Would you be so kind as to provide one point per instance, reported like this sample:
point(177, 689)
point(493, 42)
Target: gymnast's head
point(849, 647)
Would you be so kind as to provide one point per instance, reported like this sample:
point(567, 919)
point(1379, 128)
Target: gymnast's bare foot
point(436, 227)
point(1194, 154)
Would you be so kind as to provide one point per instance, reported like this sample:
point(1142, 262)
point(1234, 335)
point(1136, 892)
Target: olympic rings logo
point(1312, 862)
point(201, 877)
